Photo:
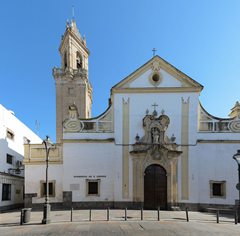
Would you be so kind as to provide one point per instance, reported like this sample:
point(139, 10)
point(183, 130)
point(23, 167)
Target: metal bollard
point(126, 213)
point(108, 214)
point(21, 217)
point(187, 214)
point(71, 214)
point(217, 216)
point(90, 215)
point(158, 213)
point(142, 214)
point(236, 218)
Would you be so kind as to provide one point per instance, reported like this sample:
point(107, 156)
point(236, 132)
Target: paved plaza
point(172, 223)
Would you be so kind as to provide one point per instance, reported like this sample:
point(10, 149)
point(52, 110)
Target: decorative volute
point(72, 124)
point(235, 115)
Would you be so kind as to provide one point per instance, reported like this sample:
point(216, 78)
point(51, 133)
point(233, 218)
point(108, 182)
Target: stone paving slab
point(171, 224)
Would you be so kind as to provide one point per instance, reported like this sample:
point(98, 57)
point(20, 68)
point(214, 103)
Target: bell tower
point(71, 80)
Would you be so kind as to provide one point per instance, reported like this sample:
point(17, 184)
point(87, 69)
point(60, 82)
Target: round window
point(155, 78)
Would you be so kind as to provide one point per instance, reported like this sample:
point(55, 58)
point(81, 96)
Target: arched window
point(78, 61)
point(65, 60)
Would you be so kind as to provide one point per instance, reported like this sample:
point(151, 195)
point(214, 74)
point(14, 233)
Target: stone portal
point(155, 157)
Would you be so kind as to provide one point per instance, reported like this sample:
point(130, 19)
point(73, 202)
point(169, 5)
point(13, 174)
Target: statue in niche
point(155, 135)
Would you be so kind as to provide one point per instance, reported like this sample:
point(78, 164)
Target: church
point(154, 146)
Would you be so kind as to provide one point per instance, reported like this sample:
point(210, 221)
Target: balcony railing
point(74, 72)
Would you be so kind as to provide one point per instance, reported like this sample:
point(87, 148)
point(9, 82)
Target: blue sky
point(200, 38)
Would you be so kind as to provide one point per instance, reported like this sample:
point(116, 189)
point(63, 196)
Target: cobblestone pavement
point(171, 224)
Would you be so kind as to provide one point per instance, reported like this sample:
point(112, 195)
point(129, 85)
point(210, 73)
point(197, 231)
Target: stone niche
point(155, 148)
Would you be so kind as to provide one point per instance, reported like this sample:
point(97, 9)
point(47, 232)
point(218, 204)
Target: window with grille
point(9, 159)
point(51, 188)
point(6, 192)
point(217, 189)
point(93, 187)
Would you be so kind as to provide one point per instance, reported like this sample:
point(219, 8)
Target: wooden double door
point(155, 188)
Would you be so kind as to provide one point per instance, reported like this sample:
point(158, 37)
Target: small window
point(6, 192)
point(10, 134)
point(9, 159)
point(70, 91)
point(217, 189)
point(51, 188)
point(92, 187)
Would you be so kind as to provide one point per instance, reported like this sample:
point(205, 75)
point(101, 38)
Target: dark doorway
point(155, 188)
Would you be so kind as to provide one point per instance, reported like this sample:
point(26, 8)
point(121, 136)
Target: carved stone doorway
point(155, 188)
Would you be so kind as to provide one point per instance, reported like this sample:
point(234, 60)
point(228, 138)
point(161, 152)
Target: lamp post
point(46, 208)
point(236, 157)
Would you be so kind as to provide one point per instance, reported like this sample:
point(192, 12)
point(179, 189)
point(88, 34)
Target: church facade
point(155, 145)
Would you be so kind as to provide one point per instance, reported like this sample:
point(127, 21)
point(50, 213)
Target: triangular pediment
point(158, 74)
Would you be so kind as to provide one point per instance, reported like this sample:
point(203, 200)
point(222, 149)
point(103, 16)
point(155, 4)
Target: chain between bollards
point(90, 215)
point(126, 213)
point(141, 213)
point(108, 214)
point(217, 216)
point(71, 214)
point(158, 213)
point(187, 214)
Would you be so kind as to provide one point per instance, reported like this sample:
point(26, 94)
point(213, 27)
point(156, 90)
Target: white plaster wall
point(15, 148)
point(83, 135)
point(91, 160)
point(215, 162)
point(172, 105)
point(143, 82)
point(35, 173)
point(16, 184)
point(218, 136)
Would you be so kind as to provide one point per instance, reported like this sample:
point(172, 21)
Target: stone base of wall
point(67, 204)
point(204, 206)
point(10, 207)
point(105, 205)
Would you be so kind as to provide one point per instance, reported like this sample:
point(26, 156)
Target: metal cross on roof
point(154, 50)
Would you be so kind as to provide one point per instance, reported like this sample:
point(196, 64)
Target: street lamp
point(236, 157)
point(46, 208)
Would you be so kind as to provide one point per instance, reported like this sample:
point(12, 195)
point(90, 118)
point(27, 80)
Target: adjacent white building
point(13, 135)
point(154, 146)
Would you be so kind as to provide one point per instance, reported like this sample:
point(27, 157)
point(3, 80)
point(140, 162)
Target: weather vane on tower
point(73, 11)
